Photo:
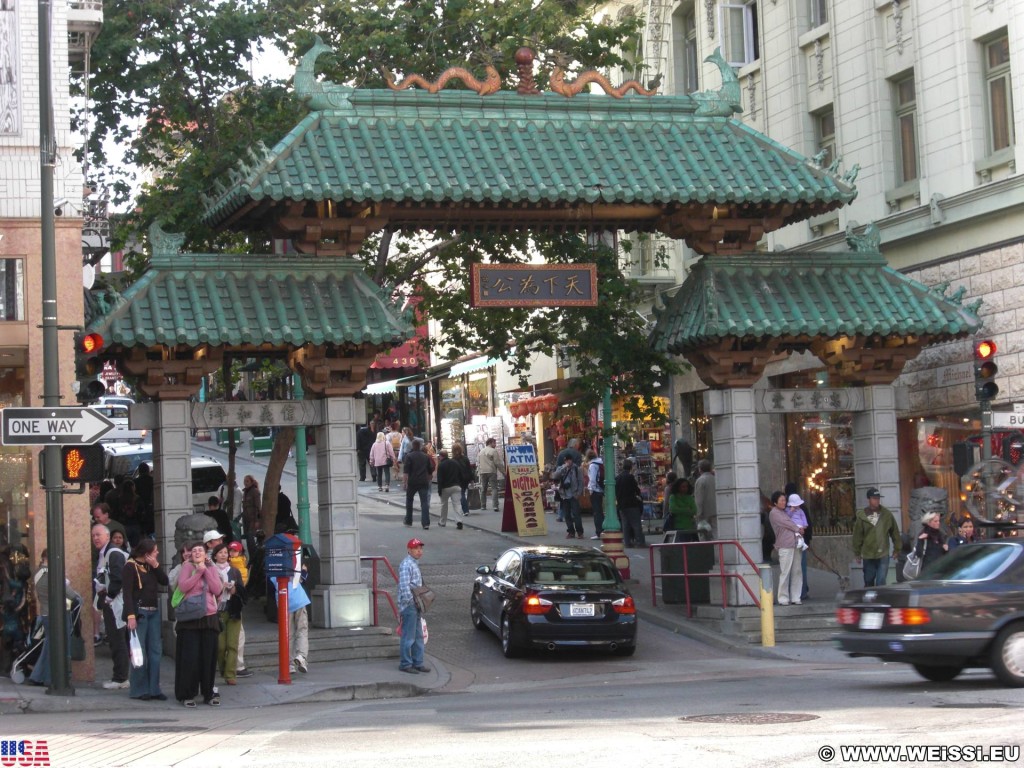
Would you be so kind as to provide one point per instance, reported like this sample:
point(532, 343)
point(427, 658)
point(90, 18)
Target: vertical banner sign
point(524, 481)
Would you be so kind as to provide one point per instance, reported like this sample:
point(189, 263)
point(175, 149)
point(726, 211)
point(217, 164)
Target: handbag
point(912, 568)
point(423, 597)
point(585, 502)
point(388, 462)
point(135, 650)
point(192, 607)
point(77, 648)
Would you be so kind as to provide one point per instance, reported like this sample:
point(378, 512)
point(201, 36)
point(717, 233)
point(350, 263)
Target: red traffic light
point(983, 350)
point(90, 342)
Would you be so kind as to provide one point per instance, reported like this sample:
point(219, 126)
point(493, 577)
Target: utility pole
point(58, 636)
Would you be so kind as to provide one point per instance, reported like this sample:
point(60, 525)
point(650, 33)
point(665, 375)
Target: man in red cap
point(409, 576)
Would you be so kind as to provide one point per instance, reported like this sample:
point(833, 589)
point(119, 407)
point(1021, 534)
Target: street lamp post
point(611, 530)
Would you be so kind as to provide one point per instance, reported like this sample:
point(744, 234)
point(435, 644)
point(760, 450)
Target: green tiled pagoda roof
point(235, 300)
point(804, 295)
point(414, 147)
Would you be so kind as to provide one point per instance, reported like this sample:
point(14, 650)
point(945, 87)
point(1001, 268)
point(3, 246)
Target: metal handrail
point(686, 575)
point(374, 587)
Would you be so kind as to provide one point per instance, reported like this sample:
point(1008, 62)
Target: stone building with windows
point(926, 99)
point(74, 25)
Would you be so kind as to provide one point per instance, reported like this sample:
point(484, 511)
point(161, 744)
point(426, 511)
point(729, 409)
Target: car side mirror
point(484, 570)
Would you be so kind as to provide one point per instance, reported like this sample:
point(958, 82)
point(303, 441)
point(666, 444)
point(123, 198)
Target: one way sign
point(53, 426)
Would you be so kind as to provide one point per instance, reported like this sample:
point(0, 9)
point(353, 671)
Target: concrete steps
point(810, 622)
point(325, 645)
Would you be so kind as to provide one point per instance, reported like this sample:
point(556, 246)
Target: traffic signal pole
point(57, 634)
point(985, 391)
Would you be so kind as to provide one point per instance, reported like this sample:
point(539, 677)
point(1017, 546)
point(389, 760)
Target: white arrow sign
point(53, 426)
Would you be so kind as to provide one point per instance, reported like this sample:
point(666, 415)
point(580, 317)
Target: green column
point(301, 478)
point(611, 517)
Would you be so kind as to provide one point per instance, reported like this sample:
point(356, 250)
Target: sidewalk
point(356, 680)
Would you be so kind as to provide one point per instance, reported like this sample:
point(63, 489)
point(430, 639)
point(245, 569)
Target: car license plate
point(581, 609)
point(871, 620)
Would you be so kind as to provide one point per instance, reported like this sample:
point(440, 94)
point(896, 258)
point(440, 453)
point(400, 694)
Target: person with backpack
point(595, 484)
point(569, 481)
point(110, 563)
point(487, 467)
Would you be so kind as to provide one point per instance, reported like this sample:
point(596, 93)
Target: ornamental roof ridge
point(329, 96)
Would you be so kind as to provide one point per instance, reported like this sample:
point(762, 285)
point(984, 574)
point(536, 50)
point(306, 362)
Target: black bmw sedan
point(966, 610)
point(554, 597)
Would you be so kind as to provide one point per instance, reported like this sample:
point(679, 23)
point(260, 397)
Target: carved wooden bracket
point(164, 373)
point(332, 372)
point(866, 360)
point(326, 229)
point(729, 364)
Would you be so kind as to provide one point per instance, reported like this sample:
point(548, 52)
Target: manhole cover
point(750, 718)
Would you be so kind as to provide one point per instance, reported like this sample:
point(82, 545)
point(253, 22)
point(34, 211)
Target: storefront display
point(819, 450)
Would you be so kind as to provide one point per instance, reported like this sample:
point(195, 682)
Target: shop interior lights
point(816, 481)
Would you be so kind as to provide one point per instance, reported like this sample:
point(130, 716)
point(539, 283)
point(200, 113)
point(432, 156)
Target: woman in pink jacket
point(382, 458)
point(195, 658)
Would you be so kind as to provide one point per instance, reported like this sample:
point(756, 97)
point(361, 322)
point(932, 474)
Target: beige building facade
point(926, 100)
point(23, 512)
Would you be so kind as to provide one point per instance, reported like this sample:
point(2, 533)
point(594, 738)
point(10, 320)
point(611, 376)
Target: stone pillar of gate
point(172, 482)
point(734, 438)
point(876, 457)
point(341, 599)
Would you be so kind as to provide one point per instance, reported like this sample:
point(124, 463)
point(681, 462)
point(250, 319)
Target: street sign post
point(53, 426)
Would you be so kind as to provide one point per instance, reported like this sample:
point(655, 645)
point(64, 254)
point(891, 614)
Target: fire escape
point(85, 19)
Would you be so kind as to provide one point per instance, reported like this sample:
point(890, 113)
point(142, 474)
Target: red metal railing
point(375, 588)
point(686, 574)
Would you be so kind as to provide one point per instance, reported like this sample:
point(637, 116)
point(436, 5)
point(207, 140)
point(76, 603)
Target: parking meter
point(282, 561)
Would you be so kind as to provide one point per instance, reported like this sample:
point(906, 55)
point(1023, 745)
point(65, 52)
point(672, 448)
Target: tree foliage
point(180, 70)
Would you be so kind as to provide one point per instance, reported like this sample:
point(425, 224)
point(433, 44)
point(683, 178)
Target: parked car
point(554, 597)
point(121, 433)
point(966, 610)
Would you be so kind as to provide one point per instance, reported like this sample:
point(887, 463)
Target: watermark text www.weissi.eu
point(924, 753)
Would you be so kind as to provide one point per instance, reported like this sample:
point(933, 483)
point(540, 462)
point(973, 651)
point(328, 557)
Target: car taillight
point(535, 605)
point(847, 616)
point(624, 605)
point(908, 616)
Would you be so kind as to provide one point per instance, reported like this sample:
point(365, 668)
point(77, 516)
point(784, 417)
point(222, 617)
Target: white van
point(207, 474)
point(124, 458)
point(207, 477)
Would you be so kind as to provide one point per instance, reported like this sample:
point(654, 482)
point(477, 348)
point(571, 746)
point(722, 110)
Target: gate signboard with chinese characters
point(533, 285)
point(524, 483)
point(266, 413)
point(813, 400)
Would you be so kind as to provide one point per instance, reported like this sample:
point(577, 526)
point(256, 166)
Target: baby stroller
point(24, 663)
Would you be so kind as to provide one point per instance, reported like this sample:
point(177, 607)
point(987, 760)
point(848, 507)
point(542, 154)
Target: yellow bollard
point(767, 606)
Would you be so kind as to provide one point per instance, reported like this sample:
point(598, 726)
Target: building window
point(738, 25)
point(684, 43)
point(906, 129)
point(825, 135)
point(12, 290)
point(819, 12)
point(997, 87)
